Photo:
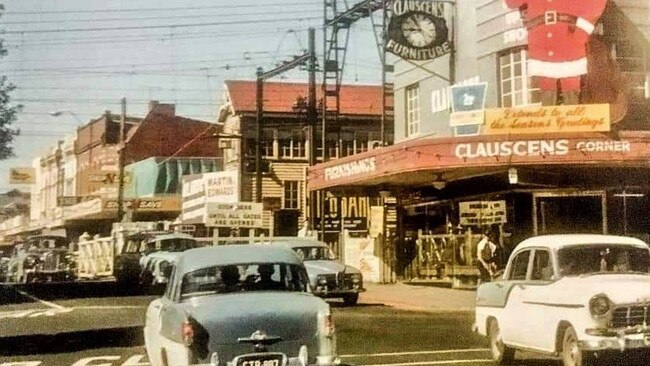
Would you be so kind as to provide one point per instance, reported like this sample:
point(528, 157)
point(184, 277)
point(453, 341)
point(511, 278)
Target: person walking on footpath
point(484, 253)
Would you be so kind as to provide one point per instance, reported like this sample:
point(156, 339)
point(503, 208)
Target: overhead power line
point(95, 11)
point(160, 26)
point(184, 17)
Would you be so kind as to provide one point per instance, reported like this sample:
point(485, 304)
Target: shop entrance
point(569, 212)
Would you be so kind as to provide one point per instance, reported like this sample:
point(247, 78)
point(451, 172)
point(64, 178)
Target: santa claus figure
point(558, 32)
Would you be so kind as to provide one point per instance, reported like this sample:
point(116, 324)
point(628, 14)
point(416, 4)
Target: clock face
point(419, 30)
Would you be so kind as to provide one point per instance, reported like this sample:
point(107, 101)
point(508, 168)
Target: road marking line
point(449, 362)
point(109, 307)
point(46, 303)
point(460, 350)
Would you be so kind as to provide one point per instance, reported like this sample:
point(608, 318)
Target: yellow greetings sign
point(547, 119)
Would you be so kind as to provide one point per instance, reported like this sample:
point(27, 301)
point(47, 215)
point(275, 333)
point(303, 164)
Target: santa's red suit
point(558, 31)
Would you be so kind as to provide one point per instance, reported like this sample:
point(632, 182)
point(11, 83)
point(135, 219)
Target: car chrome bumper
point(606, 339)
point(337, 292)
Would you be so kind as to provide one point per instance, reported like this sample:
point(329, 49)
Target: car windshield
point(591, 259)
point(176, 245)
point(318, 253)
point(246, 277)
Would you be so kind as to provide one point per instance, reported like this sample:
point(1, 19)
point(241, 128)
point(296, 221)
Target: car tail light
point(329, 325)
point(187, 331)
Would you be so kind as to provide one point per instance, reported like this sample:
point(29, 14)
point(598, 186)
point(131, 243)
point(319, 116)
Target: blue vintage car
point(328, 277)
point(243, 305)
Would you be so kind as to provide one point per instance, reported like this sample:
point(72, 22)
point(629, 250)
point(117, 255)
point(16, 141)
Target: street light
point(60, 113)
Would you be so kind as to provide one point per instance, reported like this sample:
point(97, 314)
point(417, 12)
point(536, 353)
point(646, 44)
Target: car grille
point(630, 316)
point(50, 262)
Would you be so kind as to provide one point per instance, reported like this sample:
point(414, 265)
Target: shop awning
point(416, 162)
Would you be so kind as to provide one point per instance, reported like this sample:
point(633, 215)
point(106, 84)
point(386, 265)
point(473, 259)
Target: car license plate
point(264, 359)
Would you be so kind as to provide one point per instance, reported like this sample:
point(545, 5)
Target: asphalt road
point(95, 324)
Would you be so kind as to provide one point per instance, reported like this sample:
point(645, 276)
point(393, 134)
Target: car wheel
point(351, 299)
point(501, 354)
point(571, 353)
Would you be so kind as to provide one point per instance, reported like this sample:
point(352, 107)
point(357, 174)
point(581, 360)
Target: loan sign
point(233, 215)
point(478, 213)
point(548, 119)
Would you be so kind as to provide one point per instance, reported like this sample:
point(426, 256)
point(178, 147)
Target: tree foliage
point(8, 110)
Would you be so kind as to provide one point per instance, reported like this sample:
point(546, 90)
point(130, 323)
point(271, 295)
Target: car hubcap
point(573, 354)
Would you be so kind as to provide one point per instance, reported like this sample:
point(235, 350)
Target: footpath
point(421, 298)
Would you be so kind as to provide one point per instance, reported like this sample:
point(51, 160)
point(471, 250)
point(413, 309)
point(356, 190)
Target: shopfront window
point(413, 110)
point(517, 87)
point(631, 60)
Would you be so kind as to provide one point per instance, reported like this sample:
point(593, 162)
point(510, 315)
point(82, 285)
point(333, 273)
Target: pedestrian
point(484, 254)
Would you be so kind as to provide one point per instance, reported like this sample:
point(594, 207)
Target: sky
point(80, 57)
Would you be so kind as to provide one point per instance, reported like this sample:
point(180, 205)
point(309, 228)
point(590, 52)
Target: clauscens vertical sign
point(417, 30)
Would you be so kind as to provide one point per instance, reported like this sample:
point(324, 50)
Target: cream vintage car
point(571, 296)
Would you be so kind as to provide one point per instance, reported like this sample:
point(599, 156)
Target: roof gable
point(280, 97)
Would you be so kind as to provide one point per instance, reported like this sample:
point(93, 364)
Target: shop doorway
point(569, 212)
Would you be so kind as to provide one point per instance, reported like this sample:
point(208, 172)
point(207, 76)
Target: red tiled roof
point(280, 97)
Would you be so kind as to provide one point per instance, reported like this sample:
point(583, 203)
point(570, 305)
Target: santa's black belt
point(551, 17)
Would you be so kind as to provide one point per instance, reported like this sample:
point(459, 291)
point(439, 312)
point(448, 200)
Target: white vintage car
point(571, 296)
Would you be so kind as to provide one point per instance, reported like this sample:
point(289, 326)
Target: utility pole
point(312, 117)
point(259, 103)
point(121, 162)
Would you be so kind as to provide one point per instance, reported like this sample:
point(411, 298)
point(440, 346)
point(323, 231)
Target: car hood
point(616, 286)
point(166, 256)
point(327, 267)
point(227, 317)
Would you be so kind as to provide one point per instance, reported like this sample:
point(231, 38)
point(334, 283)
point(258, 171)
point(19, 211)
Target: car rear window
point(248, 277)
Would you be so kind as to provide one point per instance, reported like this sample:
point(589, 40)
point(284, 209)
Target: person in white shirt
point(484, 252)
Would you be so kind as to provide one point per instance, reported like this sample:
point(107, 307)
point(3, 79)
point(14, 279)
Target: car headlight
point(31, 262)
point(599, 305)
point(356, 278)
point(303, 355)
point(321, 280)
point(164, 266)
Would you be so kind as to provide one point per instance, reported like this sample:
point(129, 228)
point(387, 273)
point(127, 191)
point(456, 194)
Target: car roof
point(298, 242)
point(169, 236)
point(198, 258)
point(563, 240)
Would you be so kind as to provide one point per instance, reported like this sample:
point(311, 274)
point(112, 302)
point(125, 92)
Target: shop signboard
point(221, 186)
point(467, 104)
point(145, 204)
point(354, 210)
point(97, 177)
point(547, 119)
point(479, 213)
point(417, 30)
point(22, 176)
point(234, 215)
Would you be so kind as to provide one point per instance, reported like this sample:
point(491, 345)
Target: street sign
point(479, 213)
point(234, 215)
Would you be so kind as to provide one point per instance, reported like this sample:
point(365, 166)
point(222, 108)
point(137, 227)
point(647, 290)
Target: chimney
point(167, 109)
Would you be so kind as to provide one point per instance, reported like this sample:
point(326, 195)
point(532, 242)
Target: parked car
point(160, 254)
point(42, 258)
point(328, 277)
point(569, 296)
point(128, 267)
point(239, 305)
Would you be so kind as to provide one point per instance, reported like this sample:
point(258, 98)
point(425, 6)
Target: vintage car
point(160, 253)
point(572, 296)
point(239, 305)
point(42, 258)
point(128, 268)
point(328, 277)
